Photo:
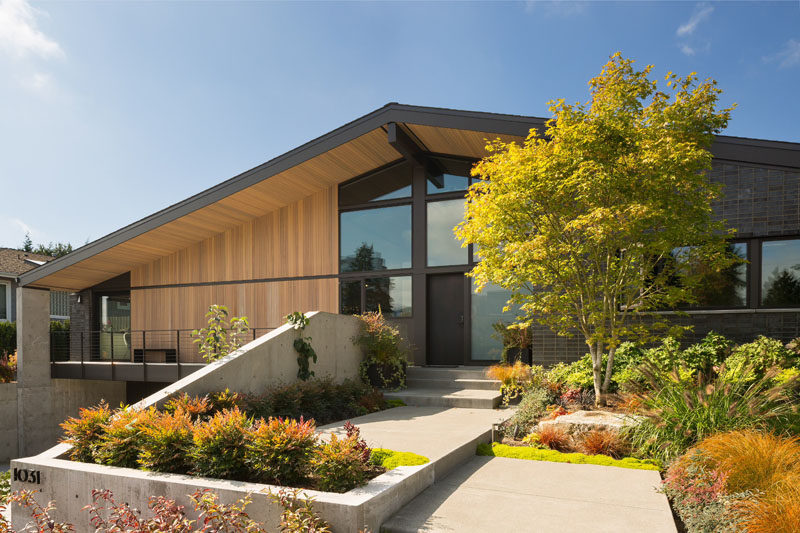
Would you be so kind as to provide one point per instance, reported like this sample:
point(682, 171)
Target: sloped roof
point(14, 261)
point(344, 153)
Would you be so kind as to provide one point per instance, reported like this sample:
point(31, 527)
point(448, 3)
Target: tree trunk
point(609, 368)
point(596, 353)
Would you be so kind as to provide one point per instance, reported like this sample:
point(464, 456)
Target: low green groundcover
point(390, 459)
point(537, 454)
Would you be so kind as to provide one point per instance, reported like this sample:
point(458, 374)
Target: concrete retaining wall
point(272, 360)
point(8, 422)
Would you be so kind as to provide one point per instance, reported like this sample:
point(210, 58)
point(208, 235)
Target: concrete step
point(436, 372)
point(465, 398)
point(458, 383)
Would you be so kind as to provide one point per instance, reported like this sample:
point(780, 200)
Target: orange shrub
point(555, 438)
point(121, 439)
point(83, 432)
point(220, 445)
point(166, 441)
point(194, 407)
point(281, 449)
point(604, 442)
point(776, 512)
point(753, 460)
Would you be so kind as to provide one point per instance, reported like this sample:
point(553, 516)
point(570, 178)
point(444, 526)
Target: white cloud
point(19, 35)
point(687, 50)
point(787, 57)
point(701, 12)
point(39, 82)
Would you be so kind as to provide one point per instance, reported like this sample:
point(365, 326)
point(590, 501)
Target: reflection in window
point(726, 288)
point(350, 297)
point(375, 239)
point(391, 295)
point(447, 183)
point(780, 273)
point(487, 309)
point(443, 247)
point(388, 184)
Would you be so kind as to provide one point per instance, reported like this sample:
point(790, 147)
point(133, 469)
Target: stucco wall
point(8, 421)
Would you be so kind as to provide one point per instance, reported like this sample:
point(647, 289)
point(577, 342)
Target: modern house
point(14, 263)
point(360, 219)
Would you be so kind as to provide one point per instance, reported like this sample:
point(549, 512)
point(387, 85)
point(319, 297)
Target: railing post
point(178, 351)
point(83, 369)
point(144, 358)
point(112, 353)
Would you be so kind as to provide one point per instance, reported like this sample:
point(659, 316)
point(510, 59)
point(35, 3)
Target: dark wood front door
point(446, 319)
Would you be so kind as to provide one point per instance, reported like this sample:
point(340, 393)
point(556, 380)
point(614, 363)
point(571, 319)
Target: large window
point(375, 239)
point(5, 301)
point(726, 288)
point(390, 295)
point(443, 247)
point(388, 184)
point(453, 176)
point(780, 273)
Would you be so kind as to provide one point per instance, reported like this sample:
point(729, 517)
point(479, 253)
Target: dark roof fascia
point(489, 122)
point(733, 148)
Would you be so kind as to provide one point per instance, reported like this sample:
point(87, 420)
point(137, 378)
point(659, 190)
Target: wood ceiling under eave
point(339, 164)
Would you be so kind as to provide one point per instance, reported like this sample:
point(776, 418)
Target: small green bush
point(220, 445)
point(166, 441)
point(538, 454)
point(532, 407)
point(280, 450)
point(5, 486)
point(8, 338)
point(84, 431)
point(749, 362)
point(390, 459)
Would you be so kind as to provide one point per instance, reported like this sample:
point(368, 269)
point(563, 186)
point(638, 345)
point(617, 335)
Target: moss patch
point(395, 402)
point(390, 459)
point(537, 454)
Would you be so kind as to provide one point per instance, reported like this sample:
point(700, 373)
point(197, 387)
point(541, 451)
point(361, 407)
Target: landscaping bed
point(721, 419)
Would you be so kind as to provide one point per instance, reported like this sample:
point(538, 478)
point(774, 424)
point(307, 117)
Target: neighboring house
point(362, 218)
point(14, 263)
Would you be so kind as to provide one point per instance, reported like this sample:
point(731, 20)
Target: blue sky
point(110, 111)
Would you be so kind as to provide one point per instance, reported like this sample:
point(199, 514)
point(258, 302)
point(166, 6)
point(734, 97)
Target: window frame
point(757, 281)
point(7, 284)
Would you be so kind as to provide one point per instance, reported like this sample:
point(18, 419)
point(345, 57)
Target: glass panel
point(780, 273)
point(115, 320)
point(454, 176)
point(447, 183)
point(725, 289)
point(3, 301)
point(391, 295)
point(392, 183)
point(375, 239)
point(487, 308)
point(350, 297)
point(443, 247)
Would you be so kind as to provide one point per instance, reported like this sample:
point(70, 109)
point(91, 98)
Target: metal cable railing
point(138, 346)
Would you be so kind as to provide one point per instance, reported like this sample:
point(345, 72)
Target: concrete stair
point(449, 387)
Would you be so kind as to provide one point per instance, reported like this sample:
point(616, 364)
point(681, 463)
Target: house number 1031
point(27, 476)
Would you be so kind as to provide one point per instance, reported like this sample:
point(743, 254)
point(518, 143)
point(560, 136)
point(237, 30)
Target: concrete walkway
point(499, 494)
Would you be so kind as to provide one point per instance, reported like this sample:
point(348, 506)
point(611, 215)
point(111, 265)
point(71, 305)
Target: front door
point(446, 319)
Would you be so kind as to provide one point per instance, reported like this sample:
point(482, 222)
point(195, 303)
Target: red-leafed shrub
point(166, 441)
point(220, 445)
point(555, 438)
point(280, 450)
point(604, 442)
point(83, 432)
point(342, 464)
point(8, 367)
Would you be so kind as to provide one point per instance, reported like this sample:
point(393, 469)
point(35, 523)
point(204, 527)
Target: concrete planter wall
point(8, 422)
point(267, 361)
point(69, 484)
